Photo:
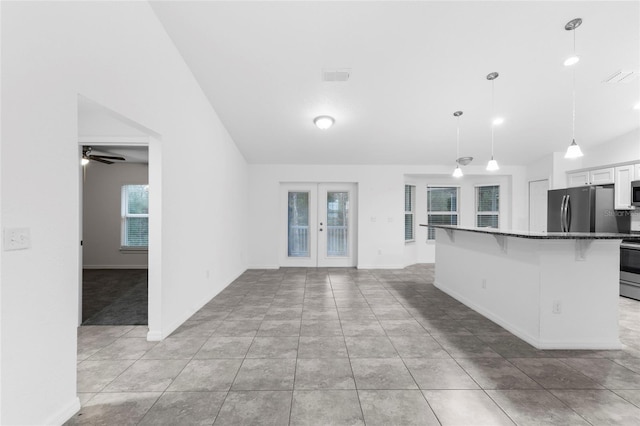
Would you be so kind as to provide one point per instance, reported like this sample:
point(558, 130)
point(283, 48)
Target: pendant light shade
point(457, 172)
point(492, 165)
point(573, 151)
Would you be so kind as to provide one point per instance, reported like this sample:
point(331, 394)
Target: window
point(409, 207)
point(488, 206)
point(442, 207)
point(135, 216)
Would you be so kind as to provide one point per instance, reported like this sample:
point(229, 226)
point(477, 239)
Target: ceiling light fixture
point(574, 150)
point(571, 26)
point(637, 106)
point(323, 122)
point(492, 165)
point(458, 171)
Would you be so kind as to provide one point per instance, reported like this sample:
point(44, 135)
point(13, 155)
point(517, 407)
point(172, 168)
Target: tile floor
point(349, 347)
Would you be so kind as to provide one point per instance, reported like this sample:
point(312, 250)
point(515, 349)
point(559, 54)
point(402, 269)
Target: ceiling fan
point(106, 159)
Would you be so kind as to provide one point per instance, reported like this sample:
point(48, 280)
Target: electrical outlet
point(557, 307)
point(484, 283)
point(16, 239)
point(379, 251)
point(208, 273)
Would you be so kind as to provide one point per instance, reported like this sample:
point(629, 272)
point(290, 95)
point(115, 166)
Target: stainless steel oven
point(630, 269)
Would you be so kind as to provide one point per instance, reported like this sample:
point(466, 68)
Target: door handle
point(567, 213)
point(562, 215)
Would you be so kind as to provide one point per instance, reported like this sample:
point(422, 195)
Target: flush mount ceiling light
point(323, 122)
point(637, 106)
point(492, 165)
point(458, 171)
point(571, 26)
point(573, 151)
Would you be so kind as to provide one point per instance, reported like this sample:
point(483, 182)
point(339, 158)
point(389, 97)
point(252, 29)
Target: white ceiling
point(413, 64)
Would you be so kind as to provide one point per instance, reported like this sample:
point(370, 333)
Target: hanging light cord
point(457, 138)
point(493, 83)
point(573, 121)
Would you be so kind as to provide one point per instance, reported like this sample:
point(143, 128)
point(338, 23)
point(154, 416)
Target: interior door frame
point(314, 259)
point(155, 224)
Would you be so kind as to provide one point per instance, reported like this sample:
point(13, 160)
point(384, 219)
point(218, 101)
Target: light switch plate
point(16, 239)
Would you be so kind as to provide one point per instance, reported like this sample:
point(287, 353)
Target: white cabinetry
point(591, 177)
point(578, 178)
point(602, 176)
point(624, 176)
point(636, 175)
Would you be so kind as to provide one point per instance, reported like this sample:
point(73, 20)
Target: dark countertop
point(543, 235)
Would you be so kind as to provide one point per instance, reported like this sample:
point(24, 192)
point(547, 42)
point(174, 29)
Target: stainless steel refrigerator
point(584, 209)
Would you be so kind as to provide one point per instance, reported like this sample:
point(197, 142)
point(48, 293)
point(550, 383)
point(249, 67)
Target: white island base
point(554, 293)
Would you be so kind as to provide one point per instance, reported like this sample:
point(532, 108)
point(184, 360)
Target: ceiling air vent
point(621, 76)
point(340, 74)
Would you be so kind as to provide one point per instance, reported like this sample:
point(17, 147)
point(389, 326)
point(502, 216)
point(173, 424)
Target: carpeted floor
point(114, 297)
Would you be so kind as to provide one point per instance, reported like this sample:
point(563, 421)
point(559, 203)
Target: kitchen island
point(553, 290)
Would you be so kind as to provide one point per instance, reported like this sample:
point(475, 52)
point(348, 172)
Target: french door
point(318, 224)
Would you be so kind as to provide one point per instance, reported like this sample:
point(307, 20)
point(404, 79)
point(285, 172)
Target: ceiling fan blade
point(99, 160)
point(107, 157)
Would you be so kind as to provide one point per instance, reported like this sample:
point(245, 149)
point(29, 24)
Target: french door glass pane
point(298, 245)
point(337, 224)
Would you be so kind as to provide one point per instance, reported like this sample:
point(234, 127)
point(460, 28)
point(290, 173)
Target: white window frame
point(124, 215)
point(457, 212)
point(411, 212)
point(486, 213)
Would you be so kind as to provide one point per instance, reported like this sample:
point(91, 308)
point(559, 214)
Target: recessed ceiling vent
point(336, 74)
point(621, 76)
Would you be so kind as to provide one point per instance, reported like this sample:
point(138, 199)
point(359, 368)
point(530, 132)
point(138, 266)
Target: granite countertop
point(544, 235)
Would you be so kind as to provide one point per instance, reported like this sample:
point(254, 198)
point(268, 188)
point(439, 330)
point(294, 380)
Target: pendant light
point(458, 171)
point(574, 150)
point(492, 165)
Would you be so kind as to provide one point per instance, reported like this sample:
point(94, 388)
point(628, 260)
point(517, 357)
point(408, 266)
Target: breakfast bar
point(553, 290)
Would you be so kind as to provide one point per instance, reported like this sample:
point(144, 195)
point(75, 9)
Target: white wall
point(380, 207)
point(118, 54)
point(101, 231)
point(618, 150)
point(423, 251)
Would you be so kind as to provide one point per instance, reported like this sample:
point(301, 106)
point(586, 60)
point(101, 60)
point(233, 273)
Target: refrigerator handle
point(562, 215)
point(567, 213)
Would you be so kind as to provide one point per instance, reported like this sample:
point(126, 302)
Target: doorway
point(318, 225)
point(538, 205)
point(99, 126)
point(115, 235)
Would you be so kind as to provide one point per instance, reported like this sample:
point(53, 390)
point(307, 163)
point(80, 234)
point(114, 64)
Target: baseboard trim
point(154, 336)
point(115, 266)
point(263, 267)
point(380, 267)
point(65, 413)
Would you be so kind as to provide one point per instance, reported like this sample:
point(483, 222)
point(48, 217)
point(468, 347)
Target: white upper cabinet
point(602, 176)
point(624, 176)
point(591, 177)
point(577, 179)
